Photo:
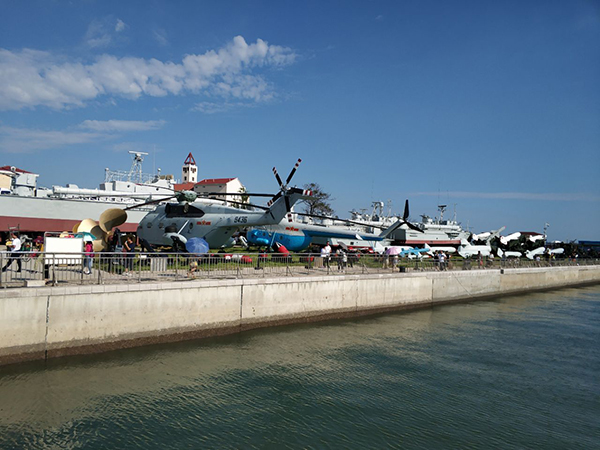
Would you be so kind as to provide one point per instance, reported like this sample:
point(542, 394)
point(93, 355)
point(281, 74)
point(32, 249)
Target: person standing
point(442, 260)
point(15, 250)
point(342, 259)
point(326, 254)
point(88, 255)
point(129, 249)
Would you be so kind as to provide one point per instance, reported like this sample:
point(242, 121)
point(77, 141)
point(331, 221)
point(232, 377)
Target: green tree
point(319, 202)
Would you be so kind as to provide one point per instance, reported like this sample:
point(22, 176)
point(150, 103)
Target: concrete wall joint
point(47, 326)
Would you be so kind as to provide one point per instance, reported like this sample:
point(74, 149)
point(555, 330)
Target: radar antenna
point(135, 173)
point(442, 208)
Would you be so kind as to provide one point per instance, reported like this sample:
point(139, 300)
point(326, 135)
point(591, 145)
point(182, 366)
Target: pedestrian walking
point(15, 253)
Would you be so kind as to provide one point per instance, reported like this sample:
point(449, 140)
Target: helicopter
point(173, 224)
point(297, 236)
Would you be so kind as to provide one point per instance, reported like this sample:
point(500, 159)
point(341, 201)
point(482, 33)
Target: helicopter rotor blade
point(274, 199)
point(288, 207)
point(264, 208)
point(156, 187)
point(412, 226)
point(239, 194)
point(151, 202)
point(287, 181)
point(281, 185)
point(316, 216)
point(405, 219)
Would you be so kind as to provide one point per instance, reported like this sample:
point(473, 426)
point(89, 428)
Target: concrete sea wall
point(39, 323)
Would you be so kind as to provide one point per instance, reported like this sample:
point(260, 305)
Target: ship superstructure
point(26, 207)
point(436, 231)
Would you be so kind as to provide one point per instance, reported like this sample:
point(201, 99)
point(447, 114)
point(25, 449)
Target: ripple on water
point(518, 372)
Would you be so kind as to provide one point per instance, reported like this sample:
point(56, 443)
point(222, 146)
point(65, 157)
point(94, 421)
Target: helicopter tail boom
point(279, 208)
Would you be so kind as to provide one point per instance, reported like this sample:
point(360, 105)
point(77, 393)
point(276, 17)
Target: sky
point(492, 108)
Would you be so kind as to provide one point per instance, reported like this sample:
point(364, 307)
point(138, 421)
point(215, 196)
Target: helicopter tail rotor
point(285, 191)
point(287, 181)
point(405, 221)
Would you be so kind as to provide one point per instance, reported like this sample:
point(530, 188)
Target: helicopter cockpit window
point(185, 210)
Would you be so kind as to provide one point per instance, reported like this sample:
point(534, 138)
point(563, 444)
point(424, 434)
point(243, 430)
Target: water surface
point(517, 372)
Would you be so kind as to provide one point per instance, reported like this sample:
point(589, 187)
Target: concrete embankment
point(39, 323)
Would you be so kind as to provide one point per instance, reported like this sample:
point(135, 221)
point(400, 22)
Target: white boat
point(436, 231)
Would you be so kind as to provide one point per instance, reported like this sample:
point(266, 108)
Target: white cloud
point(109, 126)
point(33, 78)
point(216, 108)
point(160, 36)
point(549, 196)
point(120, 26)
point(28, 140)
point(103, 32)
point(98, 34)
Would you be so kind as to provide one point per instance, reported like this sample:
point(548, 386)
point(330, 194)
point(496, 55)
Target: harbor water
point(514, 372)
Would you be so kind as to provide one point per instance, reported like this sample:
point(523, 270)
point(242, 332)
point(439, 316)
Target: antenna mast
point(135, 173)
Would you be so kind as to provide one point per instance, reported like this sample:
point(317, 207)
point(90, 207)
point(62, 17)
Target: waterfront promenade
point(72, 317)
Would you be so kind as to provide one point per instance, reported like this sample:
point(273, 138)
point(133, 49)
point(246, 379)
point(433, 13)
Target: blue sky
point(490, 107)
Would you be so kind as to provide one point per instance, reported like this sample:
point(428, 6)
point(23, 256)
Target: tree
point(319, 202)
point(244, 198)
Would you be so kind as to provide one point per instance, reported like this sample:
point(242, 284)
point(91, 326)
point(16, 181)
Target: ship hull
point(37, 214)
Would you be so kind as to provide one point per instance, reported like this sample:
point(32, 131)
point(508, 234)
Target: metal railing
point(38, 269)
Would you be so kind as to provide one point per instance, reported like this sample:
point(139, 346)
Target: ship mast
point(135, 173)
point(442, 208)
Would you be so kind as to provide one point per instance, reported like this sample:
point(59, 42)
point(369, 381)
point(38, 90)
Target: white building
point(189, 171)
point(221, 186)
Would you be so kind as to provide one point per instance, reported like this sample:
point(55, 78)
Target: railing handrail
point(118, 267)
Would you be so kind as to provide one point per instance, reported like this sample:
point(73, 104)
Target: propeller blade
point(287, 181)
point(406, 212)
point(112, 218)
point(278, 178)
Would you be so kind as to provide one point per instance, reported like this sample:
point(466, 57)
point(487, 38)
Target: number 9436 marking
point(240, 219)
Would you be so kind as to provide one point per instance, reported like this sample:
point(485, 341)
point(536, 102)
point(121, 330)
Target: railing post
point(54, 269)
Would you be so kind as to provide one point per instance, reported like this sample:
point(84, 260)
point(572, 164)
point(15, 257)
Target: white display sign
point(63, 250)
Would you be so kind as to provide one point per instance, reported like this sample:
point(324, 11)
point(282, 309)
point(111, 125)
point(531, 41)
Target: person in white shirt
point(14, 253)
point(325, 254)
